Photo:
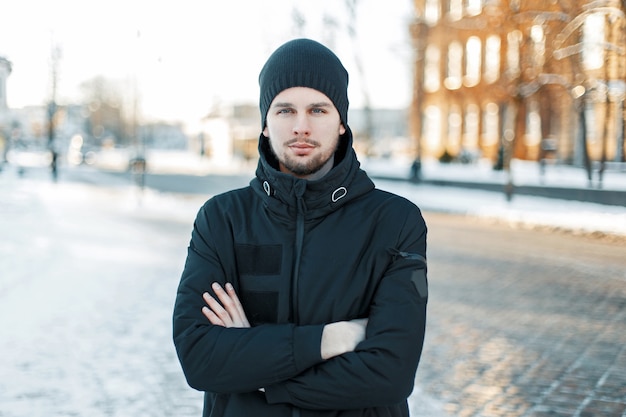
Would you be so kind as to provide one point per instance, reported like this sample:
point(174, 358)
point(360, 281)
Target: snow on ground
point(522, 210)
point(521, 173)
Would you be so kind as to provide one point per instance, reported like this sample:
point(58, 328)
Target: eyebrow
point(287, 104)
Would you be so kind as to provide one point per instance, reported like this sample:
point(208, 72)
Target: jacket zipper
point(295, 411)
point(298, 255)
point(406, 255)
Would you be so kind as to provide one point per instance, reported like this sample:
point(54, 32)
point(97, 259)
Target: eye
point(284, 110)
point(318, 110)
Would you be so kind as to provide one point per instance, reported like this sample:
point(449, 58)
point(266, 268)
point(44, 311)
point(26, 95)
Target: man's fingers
point(237, 304)
point(217, 310)
point(227, 310)
point(209, 314)
point(231, 304)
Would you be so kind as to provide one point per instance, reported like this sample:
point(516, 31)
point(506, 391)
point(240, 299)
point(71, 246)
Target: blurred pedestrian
point(304, 294)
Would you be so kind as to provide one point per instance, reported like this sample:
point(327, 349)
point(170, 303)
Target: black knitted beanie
point(304, 63)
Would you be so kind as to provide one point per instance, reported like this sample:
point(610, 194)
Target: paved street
point(524, 323)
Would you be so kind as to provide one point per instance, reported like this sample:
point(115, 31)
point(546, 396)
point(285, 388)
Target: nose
point(302, 125)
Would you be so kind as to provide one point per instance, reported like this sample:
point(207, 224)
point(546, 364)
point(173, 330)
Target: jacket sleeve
point(381, 371)
point(231, 360)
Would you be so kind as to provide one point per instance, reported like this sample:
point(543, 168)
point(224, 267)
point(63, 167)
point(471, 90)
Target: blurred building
point(527, 79)
point(230, 131)
point(5, 71)
point(380, 132)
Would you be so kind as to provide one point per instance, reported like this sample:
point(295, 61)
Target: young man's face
point(303, 127)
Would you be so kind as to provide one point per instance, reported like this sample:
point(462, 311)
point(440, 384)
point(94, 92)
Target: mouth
point(301, 148)
point(301, 145)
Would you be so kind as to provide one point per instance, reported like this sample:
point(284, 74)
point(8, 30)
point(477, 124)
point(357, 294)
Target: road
point(524, 322)
point(521, 322)
point(198, 185)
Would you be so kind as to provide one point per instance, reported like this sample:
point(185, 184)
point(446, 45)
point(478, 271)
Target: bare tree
point(299, 22)
point(55, 56)
point(352, 9)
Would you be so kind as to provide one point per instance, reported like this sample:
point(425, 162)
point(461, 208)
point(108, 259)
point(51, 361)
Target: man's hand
point(341, 337)
point(227, 314)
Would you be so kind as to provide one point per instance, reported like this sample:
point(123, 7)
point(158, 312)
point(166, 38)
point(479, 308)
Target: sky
point(187, 56)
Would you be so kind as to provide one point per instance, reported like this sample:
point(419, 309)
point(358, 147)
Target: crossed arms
point(332, 366)
point(337, 338)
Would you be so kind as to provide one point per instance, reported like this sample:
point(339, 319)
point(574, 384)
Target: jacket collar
point(284, 193)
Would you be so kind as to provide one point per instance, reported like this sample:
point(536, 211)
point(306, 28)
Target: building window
point(593, 40)
point(473, 54)
point(533, 125)
point(492, 59)
point(514, 40)
point(474, 7)
point(455, 129)
point(432, 126)
point(454, 71)
point(456, 10)
point(472, 117)
point(539, 46)
point(432, 12)
point(491, 121)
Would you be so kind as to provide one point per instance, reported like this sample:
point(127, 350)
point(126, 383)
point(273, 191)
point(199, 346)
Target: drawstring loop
point(338, 194)
point(266, 187)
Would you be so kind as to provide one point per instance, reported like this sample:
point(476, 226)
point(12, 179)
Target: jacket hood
point(285, 194)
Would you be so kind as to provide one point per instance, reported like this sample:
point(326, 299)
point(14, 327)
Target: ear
point(266, 132)
point(342, 129)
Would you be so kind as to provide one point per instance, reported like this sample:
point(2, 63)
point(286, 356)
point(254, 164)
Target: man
point(304, 294)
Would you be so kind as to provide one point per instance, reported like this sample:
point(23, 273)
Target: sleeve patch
point(421, 283)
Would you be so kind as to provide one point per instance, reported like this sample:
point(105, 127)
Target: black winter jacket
point(302, 254)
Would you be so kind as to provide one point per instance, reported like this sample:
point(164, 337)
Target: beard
point(305, 167)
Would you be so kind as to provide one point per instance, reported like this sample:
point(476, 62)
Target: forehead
point(301, 96)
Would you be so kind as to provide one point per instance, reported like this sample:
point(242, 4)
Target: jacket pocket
point(260, 306)
point(258, 259)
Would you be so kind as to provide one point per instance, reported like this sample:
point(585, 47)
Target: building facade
point(531, 79)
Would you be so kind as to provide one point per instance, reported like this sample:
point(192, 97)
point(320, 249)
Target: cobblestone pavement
point(524, 323)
